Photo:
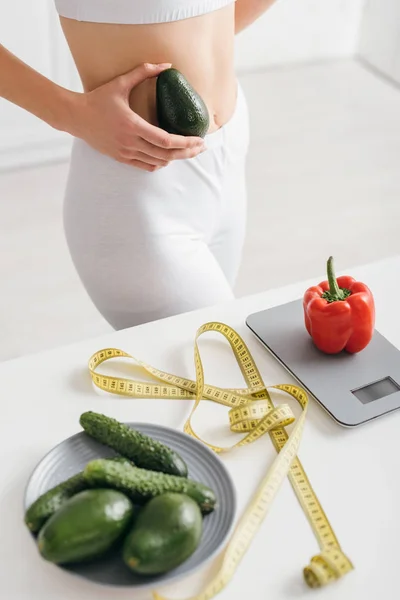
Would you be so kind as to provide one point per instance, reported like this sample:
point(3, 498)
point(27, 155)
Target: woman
point(154, 222)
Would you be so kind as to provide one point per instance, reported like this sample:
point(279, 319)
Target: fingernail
point(164, 65)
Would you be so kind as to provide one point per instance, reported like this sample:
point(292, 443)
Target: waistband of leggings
point(217, 138)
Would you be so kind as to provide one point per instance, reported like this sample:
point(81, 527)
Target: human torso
point(201, 47)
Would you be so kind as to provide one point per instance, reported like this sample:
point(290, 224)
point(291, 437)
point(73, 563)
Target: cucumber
point(85, 527)
point(166, 532)
point(49, 502)
point(140, 485)
point(141, 449)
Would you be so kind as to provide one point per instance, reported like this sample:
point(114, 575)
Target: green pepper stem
point(334, 288)
point(335, 292)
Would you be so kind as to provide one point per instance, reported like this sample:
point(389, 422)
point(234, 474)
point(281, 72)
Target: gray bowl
point(70, 456)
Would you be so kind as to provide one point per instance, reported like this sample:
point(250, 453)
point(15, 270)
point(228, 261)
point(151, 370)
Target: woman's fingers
point(103, 118)
point(170, 154)
point(168, 141)
point(144, 71)
point(146, 158)
point(144, 166)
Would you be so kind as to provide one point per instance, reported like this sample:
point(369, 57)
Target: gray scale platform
point(352, 388)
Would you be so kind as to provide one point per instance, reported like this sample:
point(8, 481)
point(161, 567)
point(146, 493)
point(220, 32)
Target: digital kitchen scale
point(352, 388)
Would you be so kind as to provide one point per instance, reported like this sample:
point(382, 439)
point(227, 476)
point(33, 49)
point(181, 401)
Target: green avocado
point(45, 506)
point(180, 109)
point(166, 532)
point(49, 502)
point(86, 526)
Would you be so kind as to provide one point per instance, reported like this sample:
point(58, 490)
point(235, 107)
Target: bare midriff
point(202, 48)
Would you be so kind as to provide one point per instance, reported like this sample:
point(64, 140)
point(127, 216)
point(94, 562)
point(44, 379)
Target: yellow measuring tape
point(252, 413)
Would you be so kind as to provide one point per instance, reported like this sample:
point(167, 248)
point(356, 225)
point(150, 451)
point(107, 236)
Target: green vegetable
point(141, 485)
point(141, 449)
point(86, 526)
point(180, 109)
point(167, 531)
point(47, 504)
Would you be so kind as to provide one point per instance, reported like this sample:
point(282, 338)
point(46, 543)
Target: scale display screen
point(376, 390)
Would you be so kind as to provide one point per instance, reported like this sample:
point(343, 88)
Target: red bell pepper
point(339, 313)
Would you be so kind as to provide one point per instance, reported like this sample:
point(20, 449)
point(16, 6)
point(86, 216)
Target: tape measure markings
point(252, 413)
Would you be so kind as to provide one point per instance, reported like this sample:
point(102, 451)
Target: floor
point(323, 178)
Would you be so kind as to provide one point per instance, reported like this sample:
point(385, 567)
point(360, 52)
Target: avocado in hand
point(180, 109)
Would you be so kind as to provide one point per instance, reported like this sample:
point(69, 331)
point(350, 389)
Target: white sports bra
point(136, 11)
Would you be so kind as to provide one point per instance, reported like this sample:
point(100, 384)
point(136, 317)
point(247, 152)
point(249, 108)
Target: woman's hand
point(104, 119)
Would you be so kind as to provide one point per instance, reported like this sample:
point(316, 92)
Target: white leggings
point(152, 245)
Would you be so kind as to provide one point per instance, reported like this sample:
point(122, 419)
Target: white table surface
point(355, 472)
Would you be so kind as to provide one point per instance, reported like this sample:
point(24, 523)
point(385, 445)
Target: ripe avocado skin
point(85, 527)
point(166, 532)
point(180, 109)
point(48, 503)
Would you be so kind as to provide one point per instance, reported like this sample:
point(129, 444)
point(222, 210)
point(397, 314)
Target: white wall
point(380, 36)
point(32, 32)
point(301, 30)
point(291, 31)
